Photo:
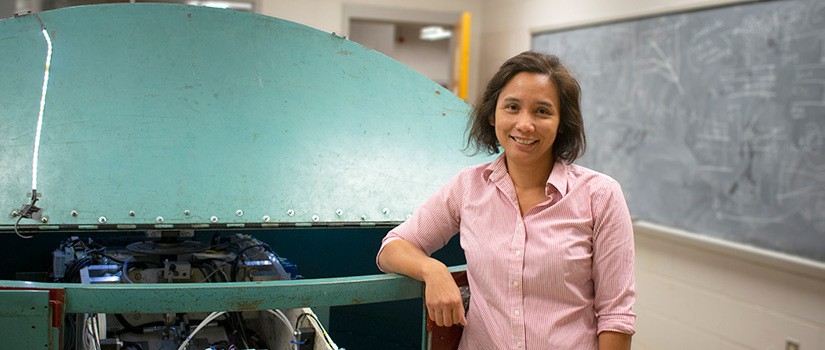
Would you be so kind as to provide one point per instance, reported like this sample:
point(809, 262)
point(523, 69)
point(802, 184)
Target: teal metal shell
point(168, 116)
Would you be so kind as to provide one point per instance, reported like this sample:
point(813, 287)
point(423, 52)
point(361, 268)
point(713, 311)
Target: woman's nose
point(524, 123)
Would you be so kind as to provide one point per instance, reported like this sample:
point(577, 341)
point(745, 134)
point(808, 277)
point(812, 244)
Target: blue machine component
point(162, 116)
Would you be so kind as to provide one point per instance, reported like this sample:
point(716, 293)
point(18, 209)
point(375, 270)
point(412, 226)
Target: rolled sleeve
point(434, 223)
point(613, 255)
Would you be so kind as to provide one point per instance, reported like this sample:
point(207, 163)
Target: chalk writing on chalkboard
point(713, 120)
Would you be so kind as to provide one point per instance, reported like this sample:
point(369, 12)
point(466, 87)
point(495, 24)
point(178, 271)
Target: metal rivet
point(44, 219)
point(15, 213)
point(159, 219)
point(101, 219)
point(363, 217)
point(266, 218)
point(339, 212)
point(131, 213)
point(290, 212)
point(186, 212)
point(315, 218)
point(213, 219)
point(386, 211)
point(74, 212)
point(239, 212)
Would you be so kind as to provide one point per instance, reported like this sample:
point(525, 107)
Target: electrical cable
point(42, 101)
point(280, 315)
point(206, 321)
point(91, 339)
point(318, 324)
point(240, 326)
point(38, 130)
point(210, 275)
point(126, 271)
point(17, 224)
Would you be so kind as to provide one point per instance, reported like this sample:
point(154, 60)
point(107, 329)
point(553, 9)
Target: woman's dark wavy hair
point(570, 141)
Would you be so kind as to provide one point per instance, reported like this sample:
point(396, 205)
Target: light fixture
point(234, 5)
point(433, 33)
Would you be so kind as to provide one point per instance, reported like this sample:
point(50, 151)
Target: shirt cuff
point(386, 240)
point(625, 323)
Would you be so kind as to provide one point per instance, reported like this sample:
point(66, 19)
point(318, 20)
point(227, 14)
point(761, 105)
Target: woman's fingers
point(445, 309)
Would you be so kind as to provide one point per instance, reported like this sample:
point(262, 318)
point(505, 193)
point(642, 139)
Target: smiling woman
point(548, 244)
point(526, 122)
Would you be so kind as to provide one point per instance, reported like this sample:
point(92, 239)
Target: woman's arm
point(614, 341)
point(441, 293)
point(613, 255)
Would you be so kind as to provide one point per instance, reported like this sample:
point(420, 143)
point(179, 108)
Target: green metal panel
point(160, 109)
point(25, 319)
point(240, 296)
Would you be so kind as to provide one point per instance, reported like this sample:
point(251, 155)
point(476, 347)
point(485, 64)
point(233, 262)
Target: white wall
point(378, 36)
point(704, 293)
point(431, 59)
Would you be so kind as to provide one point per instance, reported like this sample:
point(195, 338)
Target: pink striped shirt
point(552, 279)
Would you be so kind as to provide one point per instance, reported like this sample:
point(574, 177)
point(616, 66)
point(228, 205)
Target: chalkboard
point(713, 121)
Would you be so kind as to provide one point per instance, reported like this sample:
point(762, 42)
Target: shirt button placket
point(518, 326)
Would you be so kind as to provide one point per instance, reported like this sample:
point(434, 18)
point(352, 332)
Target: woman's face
point(527, 119)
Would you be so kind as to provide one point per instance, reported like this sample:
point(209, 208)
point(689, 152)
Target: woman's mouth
point(523, 141)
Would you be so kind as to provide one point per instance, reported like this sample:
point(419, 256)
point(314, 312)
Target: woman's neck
point(529, 176)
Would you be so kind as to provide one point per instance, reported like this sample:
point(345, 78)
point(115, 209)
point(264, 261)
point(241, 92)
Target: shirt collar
point(495, 170)
point(557, 179)
point(558, 176)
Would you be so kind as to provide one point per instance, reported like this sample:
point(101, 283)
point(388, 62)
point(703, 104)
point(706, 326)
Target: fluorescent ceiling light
point(234, 5)
point(433, 33)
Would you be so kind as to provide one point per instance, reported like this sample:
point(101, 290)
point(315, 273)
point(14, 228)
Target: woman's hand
point(441, 295)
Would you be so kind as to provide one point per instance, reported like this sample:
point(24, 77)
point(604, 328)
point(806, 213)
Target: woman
point(549, 244)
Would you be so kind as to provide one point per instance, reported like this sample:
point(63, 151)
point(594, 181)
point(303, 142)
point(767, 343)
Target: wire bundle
point(91, 332)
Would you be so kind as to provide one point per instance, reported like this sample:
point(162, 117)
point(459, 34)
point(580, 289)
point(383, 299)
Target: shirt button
point(520, 224)
point(517, 313)
point(518, 344)
point(515, 283)
point(518, 252)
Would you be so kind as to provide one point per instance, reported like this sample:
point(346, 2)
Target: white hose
point(205, 321)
